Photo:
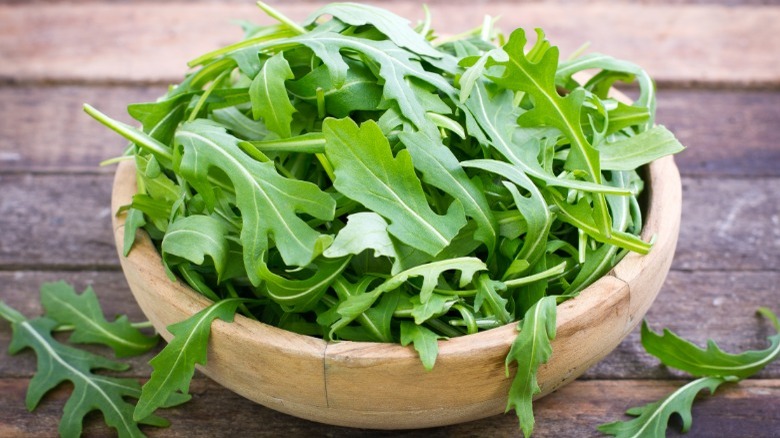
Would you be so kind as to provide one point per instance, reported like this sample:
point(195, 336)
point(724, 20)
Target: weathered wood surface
point(110, 43)
point(752, 406)
point(720, 89)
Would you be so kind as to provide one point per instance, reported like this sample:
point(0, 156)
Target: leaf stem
point(278, 16)
point(135, 135)
point(555, 270)
point(70, 327)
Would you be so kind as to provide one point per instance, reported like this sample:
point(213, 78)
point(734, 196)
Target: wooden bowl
point(384, 386)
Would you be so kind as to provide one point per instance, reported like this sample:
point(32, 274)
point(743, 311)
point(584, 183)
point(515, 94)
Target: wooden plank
point(53, 221)
point(681, 44)
point(727, 132)
point(56, 221)
point(45, 129)
point(729, 224)
point(750, 408)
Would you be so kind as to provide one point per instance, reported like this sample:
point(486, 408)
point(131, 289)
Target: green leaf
point(425, 342)
point(359, 92)
point(530, 349)
point(550, 109)
point(676, 352)
point(653, 418)
point(633, 152)
point(83, 312)
point(367, 172)
point(58, 363)
point(239, 124)
point(441, 169)
point(268, 202)
point(133, 221)
point(581, 216)
point(487, 293)
point(364, 230)
point(192, 238)
point(476, 68)
point(174, 366)
point(355, 305)
point(395, 66)
point(533, 209)
point(566, 69)
point(160, 119)
point(269, 96)
point(394, 27)
point(299, 295)
point(496, 116)
point(155, 183)
point(435, 305)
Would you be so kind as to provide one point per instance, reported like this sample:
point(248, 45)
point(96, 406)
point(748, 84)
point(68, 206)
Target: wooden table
point(718, 70)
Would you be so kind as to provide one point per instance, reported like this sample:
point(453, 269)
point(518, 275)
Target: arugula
point(63, 305)
point(175, 364)
point(713, 366)
point(530, 349)
point(368, 173)
point(678, 353)
point(653, 418)
point(268, 201)
point(368, 182)
point(58, 362)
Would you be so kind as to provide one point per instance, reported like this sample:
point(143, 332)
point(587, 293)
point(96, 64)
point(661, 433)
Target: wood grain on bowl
point(384, 386)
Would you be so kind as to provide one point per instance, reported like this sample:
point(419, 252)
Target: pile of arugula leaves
point(354, 178)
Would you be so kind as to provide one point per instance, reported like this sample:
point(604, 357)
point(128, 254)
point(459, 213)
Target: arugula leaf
point(487, 292)
point(175, 364)
point(550, 109)
point(354, 305)
point(269, 96)
point(395, 65)
point(58, 363)
point(133, 221)
point(496, 116)
point(530, 349)
point(394, 27)
point(364, 230)
point(440, 168)
point(653, 418)
point(633, 152)
point(435, 305)
point(268, 201)
point(304, 294)
point(192, 238)
point(678, 353)
point(83, 312)
point(359, 92)
point(367, 172)
point(713, 366)
point(533, 209)
point(609, 66)
point(425, 342)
